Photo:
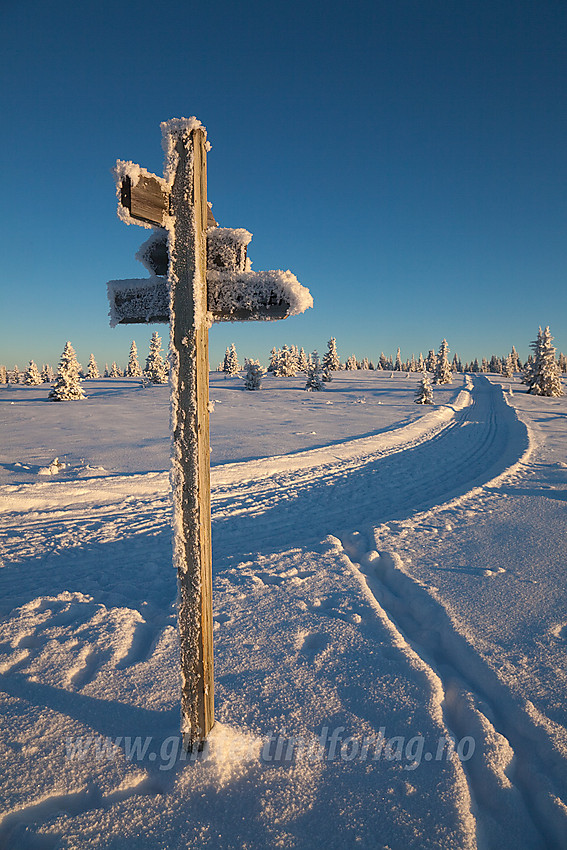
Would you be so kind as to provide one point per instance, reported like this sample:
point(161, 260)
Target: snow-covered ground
point(388, 578)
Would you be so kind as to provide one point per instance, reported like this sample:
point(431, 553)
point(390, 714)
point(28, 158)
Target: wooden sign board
point(148, 200)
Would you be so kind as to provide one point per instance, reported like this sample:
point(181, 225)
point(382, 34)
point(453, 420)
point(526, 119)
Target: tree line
point(541, 372)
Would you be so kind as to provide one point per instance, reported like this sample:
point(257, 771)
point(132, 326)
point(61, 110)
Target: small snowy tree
point(92, 369)
point(456, 365)
point(254, 375)
point(15, 377)
point(156, 367)
point(302, 361)
point(231, 365)
point(314, 379)
point(398, 364)
point(431, 361)
point(351, 364)
point(287, 365)
point(424, 392)
point(545, 378)
point(273, 362)
point(331, 360)
point(443, 374)
point(67, 386)
point(3, 375)
point(114, 371)
point(32, 376)
point(133, 370)
point(508, 368)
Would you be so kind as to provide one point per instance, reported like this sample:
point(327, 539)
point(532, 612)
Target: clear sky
point(407, 160)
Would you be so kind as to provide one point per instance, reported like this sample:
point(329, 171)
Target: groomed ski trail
point(444, 455)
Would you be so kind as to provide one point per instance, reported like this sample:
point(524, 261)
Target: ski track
point(347, 491)
point(516, 777)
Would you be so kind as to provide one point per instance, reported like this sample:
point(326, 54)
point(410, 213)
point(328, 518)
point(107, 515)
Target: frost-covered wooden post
point(190, 475)
point(199, 274)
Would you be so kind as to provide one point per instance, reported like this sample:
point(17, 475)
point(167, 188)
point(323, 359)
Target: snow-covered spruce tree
point(516, 365)
point(3, 375)
point(508, 367)
point(431, 361)
point(351, 364)
point(398, 363)
point(528, 369)
point(47, 374)
point(331, 360)
point(302, 361)
point(133, 369)
point(562, 363)
point(326, 376)
point(67, 386)
point(495, 365)
point(273, 361)
point(254, 375)
point(421, 363)
point(32, 377)
point(456, 364)
point(545, 379)
point(231, 365)
point(226, 359)
point(287, 363)
point(114, 371)
point(424, 392)
point(92, 369)
point(15, 377)
point(443, 374)
point(156, 368)
point(106, 373)
point(314, 379)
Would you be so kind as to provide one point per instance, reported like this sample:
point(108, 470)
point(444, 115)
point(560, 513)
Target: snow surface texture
point(401, 569)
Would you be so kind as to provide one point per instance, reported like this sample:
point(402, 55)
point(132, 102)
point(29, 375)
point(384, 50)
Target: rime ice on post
point(201, 287)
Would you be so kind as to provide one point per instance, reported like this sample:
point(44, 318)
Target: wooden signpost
point(208, 279)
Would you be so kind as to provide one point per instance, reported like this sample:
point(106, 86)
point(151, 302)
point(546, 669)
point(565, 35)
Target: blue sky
point(405, 159)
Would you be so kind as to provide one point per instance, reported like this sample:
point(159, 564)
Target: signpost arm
point(190, 424)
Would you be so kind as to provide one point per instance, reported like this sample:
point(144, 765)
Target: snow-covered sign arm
point(138, 301)
point(143, 198)
point(246, 296)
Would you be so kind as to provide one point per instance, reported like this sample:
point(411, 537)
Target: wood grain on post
point(190, 423)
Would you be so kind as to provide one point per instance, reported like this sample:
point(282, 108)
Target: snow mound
point(54, 467)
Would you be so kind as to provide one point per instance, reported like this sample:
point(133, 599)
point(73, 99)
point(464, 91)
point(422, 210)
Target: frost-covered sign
point(199, 274)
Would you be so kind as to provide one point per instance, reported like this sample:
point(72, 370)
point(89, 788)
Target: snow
point(387, 576)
